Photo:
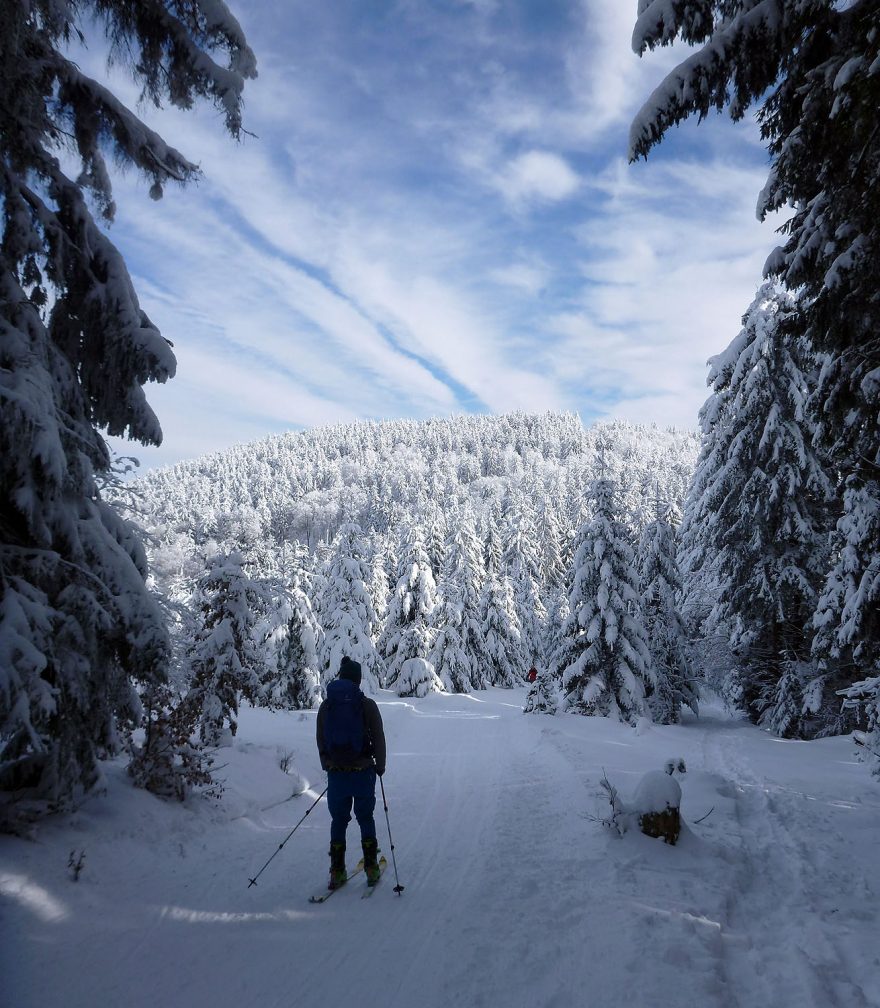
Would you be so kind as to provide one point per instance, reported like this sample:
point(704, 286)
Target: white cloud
point(537, 176)
point(670, 265)
point(453, 331)
point(349, 263)
point(522, 276)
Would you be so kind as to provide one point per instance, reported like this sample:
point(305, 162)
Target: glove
point(380, 771)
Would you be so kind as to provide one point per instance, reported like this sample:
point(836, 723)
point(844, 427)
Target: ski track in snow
point(514, 896)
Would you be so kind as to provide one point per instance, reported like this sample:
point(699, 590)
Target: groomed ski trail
point(514, 896)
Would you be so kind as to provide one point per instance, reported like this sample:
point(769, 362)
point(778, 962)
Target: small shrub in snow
point(75, 863)
point(655, 805)
point(619, 816)
point(170, 763)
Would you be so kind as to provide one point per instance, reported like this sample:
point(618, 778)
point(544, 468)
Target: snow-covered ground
point(514, 895)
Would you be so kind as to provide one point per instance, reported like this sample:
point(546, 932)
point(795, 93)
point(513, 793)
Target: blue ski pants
point(344, 789)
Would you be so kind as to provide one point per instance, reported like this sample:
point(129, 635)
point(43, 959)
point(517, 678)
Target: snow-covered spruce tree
point(297, 683)
point(604, 659)
point(864, 698)
point(76, 623)
point(549, 537)
point(493, 548)
point(449, 656)
point(846, 617)
point(435, 543)
point(408, 629)
point(379, 591)
point(347, 611)
point(813, 65)
point(708, 633)
point(227, 659)
point(459, 653)
point(543, 695)
point(523, 567)
point(554, 631)
point(672, 675)
point(506, 659)
point(761, 505)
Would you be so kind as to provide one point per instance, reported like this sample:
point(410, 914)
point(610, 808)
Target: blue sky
point(436, 216)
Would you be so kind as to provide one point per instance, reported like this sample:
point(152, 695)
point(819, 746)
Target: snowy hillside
point(304, 485)
point(514, 895)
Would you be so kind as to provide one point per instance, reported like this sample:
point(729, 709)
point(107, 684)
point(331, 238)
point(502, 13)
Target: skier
point(351, 744)
point(533, 674)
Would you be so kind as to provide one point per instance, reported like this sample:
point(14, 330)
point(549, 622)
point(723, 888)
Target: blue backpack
point(345, 738)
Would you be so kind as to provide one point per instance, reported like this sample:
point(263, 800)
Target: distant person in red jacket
point(533, 674)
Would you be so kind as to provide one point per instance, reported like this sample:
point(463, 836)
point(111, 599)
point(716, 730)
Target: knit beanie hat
point(351, 670)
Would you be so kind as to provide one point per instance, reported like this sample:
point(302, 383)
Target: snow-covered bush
point(618, 816)
point(865, 696)
point(543, 695)
point(417, 678)
point(171, 762)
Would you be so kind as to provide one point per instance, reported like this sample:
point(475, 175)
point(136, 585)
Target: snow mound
point(657, 791)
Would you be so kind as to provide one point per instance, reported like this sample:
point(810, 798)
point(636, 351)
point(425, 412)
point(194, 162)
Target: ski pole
point(398, 888)
point(253, 881)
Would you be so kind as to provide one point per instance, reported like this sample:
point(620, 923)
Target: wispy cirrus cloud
point(435, 216)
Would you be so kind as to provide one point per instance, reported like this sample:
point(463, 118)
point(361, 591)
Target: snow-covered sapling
point(75, 863)
point(619, 816)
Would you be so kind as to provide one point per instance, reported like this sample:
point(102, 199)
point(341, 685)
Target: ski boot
point(338, 874)
point(370, 847)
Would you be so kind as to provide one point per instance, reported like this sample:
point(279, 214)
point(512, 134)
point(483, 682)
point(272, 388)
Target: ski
point(327, 893)
point(368, 891)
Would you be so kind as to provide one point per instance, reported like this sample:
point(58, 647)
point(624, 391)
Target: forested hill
point(303, 486)
point(441, 555)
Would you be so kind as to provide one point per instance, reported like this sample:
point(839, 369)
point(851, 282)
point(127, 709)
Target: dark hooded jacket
point(374, 731)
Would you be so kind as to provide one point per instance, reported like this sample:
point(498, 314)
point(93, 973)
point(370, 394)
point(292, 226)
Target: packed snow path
point(514, 896)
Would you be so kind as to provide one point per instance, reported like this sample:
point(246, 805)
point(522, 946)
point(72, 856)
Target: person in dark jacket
point(351, 779)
